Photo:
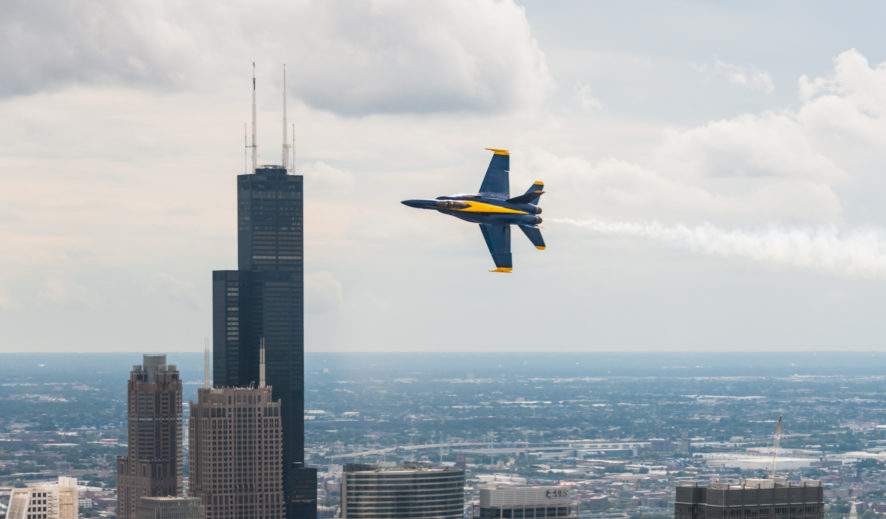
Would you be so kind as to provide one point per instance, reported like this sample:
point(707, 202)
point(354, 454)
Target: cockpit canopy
point(451, 204)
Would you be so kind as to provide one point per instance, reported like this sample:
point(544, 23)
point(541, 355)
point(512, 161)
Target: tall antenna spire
point(285, 140)
point(254, 146)
point(261, 363)
point(206, 362)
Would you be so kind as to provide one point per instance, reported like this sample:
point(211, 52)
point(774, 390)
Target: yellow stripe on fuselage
point(480, 207)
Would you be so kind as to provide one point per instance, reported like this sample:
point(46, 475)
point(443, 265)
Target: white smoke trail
point(854, 253)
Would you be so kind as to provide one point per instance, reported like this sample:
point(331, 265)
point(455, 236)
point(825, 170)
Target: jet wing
point(498, 239)
point(495, 183)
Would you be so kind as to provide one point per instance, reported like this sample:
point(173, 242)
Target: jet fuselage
point(480, 209)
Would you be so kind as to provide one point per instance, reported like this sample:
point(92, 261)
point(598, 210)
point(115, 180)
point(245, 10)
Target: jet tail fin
point(534, 235)
point(531, 195)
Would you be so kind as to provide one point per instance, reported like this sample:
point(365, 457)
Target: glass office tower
point(264, 300)
point(409, 492)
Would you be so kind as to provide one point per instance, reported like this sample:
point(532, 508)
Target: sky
point(714, 171)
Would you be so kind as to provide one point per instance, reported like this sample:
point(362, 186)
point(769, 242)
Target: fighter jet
point(495, 210)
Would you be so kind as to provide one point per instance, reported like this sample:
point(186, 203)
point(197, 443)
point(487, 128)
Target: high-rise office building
point(153, 465)
point(407, 492)
point(750, 499)
point(263, 300)
point(236, 453)
point(47, 501)
point(170, 508)
point(510, 502)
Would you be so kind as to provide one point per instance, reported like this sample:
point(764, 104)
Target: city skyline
point(721, 162)
point(619, 432)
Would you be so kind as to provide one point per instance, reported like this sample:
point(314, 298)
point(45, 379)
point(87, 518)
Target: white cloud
point(820, 162)
point(844, 114)
point(168, 289)
point(747, 76)
point(586, 100)
point(7, 300)
point(765, 145)
point(622, 190)
point(92, 42)
point(354, 58)
point(400, 56)
point(323, 293)
point(320, 176)
point(65, 291)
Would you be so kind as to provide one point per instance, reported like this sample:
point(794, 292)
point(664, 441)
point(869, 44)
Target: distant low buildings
point(752, 498)
point(369, 492)
point(536, 502)
point(47, 501)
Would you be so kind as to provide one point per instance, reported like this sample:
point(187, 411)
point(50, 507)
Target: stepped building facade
point(236, 453)
point(153, 464)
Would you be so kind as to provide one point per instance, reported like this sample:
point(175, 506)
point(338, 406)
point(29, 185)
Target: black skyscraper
point(264, 299)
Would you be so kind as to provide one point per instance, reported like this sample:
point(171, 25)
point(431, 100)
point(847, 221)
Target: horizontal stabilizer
point(534, 235)
point(531, 195)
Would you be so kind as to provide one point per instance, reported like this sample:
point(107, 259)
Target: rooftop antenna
point(285, 139)
point(254, 145)
point(261, 364)
point(775, 448)
point(206, 362)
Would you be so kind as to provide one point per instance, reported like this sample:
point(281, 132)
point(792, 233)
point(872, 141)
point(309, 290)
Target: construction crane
point(775, 448)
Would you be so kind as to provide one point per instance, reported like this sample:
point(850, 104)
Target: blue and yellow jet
point(495, 210)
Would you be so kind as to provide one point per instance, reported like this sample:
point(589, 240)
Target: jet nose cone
point(415, 203)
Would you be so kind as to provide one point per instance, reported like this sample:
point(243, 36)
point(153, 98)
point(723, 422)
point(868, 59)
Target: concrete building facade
point(48, 501)
point(236, 453)
point(153, 464)
point(517, 502)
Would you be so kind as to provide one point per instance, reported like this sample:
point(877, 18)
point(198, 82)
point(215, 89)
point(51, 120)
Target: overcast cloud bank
point(122, 130)
point(353, 58)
